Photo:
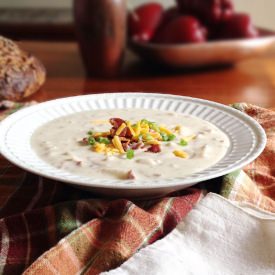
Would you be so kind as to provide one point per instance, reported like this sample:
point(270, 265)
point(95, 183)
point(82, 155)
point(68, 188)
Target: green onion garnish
point(167, 137)
point(154, 126)
point(103, 140)
point(145, 121)
point(171, 137)
point(91, 140)
point(164, 137)
point(183, 142)
point(130, 154)
point(148, 137)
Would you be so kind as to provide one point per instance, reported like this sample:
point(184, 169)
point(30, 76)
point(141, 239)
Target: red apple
point(208, 11)
point(184, 29)
point(238, 26)
point(168, 15)
point(144, 21)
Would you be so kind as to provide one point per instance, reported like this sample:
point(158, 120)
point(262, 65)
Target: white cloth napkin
point(217, 237)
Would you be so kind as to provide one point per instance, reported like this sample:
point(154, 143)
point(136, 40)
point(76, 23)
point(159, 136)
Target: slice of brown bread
point(21, 74)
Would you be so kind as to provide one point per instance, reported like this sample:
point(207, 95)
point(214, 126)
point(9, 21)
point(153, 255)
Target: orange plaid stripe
point(103, 244)
point(257, 186)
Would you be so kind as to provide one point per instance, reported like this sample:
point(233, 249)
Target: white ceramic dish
point(246, 136)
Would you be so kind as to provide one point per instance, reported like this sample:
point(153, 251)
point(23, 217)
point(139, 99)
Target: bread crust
point(21, 74)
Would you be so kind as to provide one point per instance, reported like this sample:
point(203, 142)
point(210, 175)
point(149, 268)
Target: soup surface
point(196, 145)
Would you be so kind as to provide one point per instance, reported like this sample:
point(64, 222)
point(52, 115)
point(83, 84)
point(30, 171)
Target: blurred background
point(52, 19)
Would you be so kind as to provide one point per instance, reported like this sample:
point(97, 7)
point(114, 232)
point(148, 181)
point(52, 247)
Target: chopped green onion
point(149, 137)
point(171, 137)
point(130, 154)
point(144, 121)
point(91, 140)
point(164, 137)
point(90, 133)
point(103, 140)
point(183, 142)
point(154, 126)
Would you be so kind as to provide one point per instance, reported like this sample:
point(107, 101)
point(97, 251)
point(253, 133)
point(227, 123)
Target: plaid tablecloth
point(48, 227)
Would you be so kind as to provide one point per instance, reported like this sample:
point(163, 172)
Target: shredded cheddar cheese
point(189, 138)
point(101, 134)
point(180, 154)
point(117, 143)
point(153, 142)
point(99, 147)
point(165, 130)
point(137, 128)
point(156, 135)
point(120, 129)
point(130, 128)
point(177, 129)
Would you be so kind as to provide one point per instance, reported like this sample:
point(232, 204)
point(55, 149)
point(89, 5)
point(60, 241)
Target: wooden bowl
point(213, 53)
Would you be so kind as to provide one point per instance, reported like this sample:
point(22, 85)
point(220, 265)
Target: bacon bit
point(126, 133)
point(116, 122)
point(85, 141)
point(123, 139)
point(125, 145)
point(113, 131)
point(131, 175)
point(129, 133)
point(136, 145)
point(155, 148)
point(123, 133)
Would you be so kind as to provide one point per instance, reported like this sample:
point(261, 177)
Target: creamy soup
point(59, 142)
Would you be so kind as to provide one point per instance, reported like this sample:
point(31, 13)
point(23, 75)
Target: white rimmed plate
point(246, 136)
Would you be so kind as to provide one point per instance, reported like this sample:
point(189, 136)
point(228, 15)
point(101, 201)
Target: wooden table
point(251, 81)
